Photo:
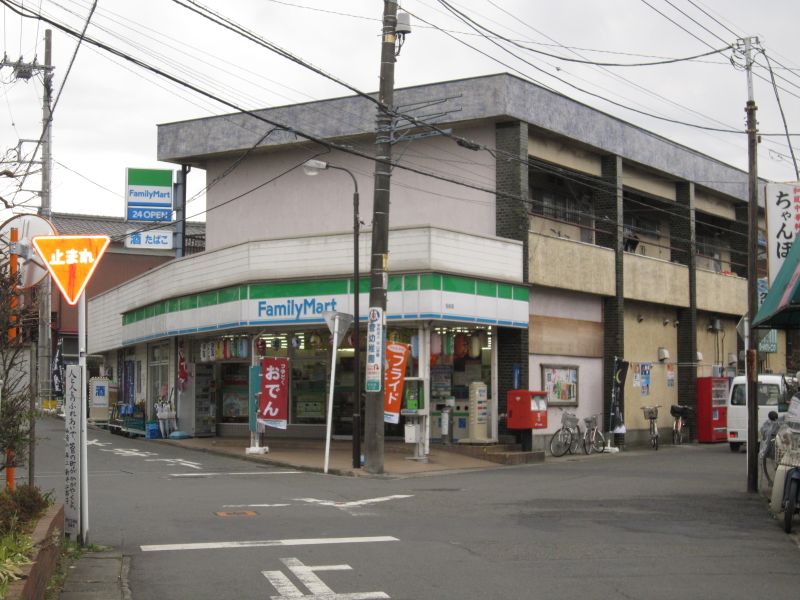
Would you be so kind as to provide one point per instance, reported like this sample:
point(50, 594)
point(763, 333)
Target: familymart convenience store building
point(194, 343)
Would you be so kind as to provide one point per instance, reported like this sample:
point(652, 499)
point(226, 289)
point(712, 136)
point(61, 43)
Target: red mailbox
point(526, 409)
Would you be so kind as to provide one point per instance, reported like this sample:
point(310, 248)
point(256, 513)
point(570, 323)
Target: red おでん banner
point(273, 404)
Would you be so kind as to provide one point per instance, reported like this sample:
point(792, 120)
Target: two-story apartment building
point(533, 239)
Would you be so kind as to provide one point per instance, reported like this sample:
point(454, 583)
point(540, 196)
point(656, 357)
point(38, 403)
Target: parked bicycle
point(768, 449)
point(567, 437)
point(593, 438)
point(651, 414)
point(680, 416)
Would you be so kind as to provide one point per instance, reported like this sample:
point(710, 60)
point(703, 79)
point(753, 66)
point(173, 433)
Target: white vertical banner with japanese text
point(783, 223)
point(72, 450)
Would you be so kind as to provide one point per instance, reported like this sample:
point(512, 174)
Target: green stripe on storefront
point(162, 178)
point(461, 285)
point(397, 283)
point(303, 288)
point(430, 281)
point(486, 288)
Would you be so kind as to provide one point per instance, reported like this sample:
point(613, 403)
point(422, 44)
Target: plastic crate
point(152, 430)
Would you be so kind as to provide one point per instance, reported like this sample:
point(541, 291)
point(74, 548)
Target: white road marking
point(267, 543)
point(129, 452)
point(177, 462)
point(354, 503)
point(253, 505)
point(312, 582)
point(242, 473)
point(97, 443)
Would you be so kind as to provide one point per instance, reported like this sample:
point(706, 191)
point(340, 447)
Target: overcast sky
point(106, 117)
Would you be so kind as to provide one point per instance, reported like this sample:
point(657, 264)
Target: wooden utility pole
point(752, 275)
point(379, 262)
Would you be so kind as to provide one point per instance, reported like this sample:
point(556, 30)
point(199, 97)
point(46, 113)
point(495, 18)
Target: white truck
point(774, 392)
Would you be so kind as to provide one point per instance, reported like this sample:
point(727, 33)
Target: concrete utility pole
point(379, 264)
point(45, 344)
point(752, 275)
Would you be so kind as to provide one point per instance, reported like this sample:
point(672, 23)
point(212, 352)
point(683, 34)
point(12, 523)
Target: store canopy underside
point(781, 307)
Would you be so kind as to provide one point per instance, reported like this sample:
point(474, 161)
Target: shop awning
point(781, 307)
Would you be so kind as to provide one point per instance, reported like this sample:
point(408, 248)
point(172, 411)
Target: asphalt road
point(676, 523)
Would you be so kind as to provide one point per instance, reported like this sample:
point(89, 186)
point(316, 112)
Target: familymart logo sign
point(148, 195)
point(295, 309)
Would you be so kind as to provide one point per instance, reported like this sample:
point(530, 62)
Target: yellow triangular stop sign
point(71, 260)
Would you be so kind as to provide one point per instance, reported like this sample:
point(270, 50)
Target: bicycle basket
point(650, 412)
point(591, 422)
point(569, 420)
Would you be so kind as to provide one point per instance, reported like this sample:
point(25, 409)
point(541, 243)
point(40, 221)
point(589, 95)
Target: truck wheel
point(735, 446)
point(791, 506)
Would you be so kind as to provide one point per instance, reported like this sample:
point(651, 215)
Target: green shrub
point(8, 512)
point(31, 502)
point(18, 509)
point(14, 551)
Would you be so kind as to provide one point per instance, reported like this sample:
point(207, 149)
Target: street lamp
point(313, 167)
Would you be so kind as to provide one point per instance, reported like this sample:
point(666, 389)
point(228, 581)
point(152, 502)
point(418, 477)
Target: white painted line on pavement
point(242, 473)
point(354, 502)
point(266, 543)
point(253, 505)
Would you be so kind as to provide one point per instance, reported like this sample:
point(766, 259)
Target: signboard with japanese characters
point(396, 359)
point(157, 239)
point(71, 260)
point(72, 450)
point(783, 223)
point(375, 342)
point(273, 403)
point(148, 195)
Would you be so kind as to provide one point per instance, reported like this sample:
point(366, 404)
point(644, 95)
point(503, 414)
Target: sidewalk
point(309, 455)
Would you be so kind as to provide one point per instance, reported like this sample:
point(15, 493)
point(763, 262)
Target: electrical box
point(712, 410)
point(526, 409)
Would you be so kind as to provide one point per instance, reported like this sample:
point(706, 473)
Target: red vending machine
point(712, 412)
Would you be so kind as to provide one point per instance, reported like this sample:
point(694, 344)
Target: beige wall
point(562, 153)
point(657, 281)
point(567, 337)
point(713, 204)
point(724, 294)
point(644, 181)
point(566, 264)
point(642, 341)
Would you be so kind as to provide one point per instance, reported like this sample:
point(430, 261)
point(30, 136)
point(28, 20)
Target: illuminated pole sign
point(71, 260)
point(148, 195)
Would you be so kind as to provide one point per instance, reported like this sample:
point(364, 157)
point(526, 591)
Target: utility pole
point(752, 275)
point(45, 343)
point(379, 263)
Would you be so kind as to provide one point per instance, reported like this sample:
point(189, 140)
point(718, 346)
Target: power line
point(783, 116)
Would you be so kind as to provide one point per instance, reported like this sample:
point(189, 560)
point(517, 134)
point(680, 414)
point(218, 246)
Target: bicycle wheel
point(560, 442)
point(653, 435)
point(599, 444)
point(791, 506)
point(769, 462)
point(677, 436)
point(575, 440)
point(588, 446)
